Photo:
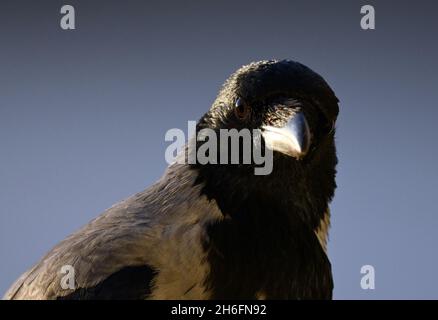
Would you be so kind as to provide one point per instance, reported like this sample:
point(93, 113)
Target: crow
point(218, 231)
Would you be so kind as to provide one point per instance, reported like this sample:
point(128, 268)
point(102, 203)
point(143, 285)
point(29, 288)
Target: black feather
point(130, 283)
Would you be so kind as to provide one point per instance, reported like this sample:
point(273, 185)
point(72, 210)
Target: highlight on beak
point(292, 139)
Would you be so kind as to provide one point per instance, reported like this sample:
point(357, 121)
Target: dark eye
point(241, 109)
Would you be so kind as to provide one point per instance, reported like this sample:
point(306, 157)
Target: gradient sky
point(83, 115)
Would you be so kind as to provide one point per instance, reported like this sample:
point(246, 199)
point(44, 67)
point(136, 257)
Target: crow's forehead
point(260, 81)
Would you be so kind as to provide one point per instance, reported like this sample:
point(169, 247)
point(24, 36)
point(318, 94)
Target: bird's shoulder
point(133, 238)
point(93, 252)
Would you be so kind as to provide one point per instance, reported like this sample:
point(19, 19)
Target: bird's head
point(295, 111)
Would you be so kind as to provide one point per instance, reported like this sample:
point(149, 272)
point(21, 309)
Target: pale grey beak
point(293, 139)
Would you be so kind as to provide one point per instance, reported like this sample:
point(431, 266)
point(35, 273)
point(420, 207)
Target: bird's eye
point(241, 109)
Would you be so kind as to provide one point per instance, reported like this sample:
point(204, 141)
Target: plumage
point(217, 231)
point(160, 228)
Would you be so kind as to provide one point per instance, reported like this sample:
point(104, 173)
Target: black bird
point(218, 231)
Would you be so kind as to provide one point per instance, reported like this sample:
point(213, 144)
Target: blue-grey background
point(83, 115)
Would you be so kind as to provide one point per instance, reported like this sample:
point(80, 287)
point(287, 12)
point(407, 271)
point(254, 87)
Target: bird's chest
point(266, 256)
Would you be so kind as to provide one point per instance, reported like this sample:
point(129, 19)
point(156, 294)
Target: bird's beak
point(293, 139)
